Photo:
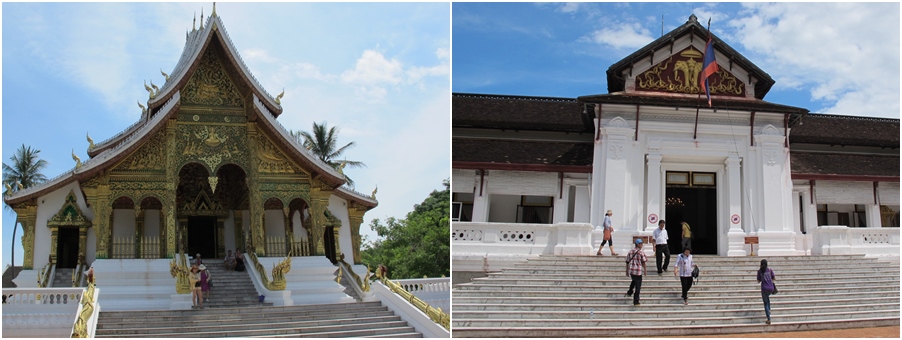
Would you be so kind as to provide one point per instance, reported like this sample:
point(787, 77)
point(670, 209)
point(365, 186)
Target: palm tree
point(25, 171)
point(322, 142)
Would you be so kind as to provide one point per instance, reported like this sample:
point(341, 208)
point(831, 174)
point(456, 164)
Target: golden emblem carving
point(151, 156)
point(680, 74)
point(210, 84)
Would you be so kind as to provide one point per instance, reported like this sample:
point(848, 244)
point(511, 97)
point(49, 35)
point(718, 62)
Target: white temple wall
point(152, 223)
point(463, 180)
point(339, 208)
point(503, 208)
point(49, 205)
point(275, 223)
point(581, 204)
point(888, 193)
point(839, 192)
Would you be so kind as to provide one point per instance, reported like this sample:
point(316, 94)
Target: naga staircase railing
point(435, 314)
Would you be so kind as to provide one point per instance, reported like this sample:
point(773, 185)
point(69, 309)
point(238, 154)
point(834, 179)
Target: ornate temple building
point(206, 169)
point(534, 175)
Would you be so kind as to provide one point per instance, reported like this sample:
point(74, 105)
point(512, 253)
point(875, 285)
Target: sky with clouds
point(838, 58)
point(379, 71)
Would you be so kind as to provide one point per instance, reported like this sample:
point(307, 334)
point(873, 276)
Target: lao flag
point(709, 67)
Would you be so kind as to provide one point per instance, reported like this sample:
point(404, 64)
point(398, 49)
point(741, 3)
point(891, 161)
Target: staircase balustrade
point(86, 321)
point(278, 272)
point(180, 272)
point(435, 314)
point(362, 286)
point(46, 273)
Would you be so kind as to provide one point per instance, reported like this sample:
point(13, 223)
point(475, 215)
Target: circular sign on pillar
point(734, 218)
point(652, 218)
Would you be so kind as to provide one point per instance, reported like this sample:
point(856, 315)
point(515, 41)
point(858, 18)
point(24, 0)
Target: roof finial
point(279, 97)
point(214, 8)
point(201, 18)
point(194, 23)
point(693, 18)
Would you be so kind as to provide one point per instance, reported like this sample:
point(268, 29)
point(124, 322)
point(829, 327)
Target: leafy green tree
point(323, 143)
point(25, 172)
point(418, 245)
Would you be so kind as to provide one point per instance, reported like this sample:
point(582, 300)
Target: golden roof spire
point(201, 18)
point(214, 8)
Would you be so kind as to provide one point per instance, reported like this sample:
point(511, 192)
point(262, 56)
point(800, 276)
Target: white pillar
point(561, 204)
point(653, 191)
point(481, 199)
point(872, 216)
point(596, 214)
point(774, 234)
point(735, 236)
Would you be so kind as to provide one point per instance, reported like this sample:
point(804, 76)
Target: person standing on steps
point(197, 300)
point(686, 242)
point(205, 283)
point(683, 269)
point(766, 278)
point(608, 229)
point(659, 240)
point(635, 268)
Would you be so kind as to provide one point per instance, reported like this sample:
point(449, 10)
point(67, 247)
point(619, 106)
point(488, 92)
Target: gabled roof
point(165, 106)
point(517, 113)
point(616, 83)
point(846, 130)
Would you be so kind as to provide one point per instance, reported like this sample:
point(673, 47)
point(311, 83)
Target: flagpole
point(697, 99)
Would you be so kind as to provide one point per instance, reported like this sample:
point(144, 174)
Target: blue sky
point(839, 58)
point(381, 72)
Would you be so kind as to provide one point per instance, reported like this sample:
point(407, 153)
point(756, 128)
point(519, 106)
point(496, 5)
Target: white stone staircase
point(369, 319)
point(583, 296)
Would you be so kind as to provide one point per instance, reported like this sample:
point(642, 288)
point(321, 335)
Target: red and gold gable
point(680, 74)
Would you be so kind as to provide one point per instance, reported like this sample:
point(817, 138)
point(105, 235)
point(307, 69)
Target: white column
point(653, 191)
point(596, 214)
point(481, 202)
point(774, 234)
point(872, 216)
point(736, 235)
point(561, 204)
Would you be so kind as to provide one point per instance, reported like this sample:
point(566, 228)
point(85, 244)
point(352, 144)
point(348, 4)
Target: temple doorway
point(67, 248)
point(696, 204)
point(202, 236)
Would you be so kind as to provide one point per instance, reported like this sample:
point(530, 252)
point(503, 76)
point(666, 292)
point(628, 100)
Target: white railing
point(40, 312)
point(522, 238)
point(410, 313)
point(839, 240)
point(434, 291)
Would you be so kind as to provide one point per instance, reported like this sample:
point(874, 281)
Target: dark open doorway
point(696, 206)
point(202, 236)
point(67, 248)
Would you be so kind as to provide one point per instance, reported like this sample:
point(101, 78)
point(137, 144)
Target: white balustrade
point(40, 312)
point(839, 240)
point(434, 291)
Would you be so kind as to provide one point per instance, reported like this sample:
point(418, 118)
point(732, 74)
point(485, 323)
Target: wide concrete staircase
point(584, 296)
point(234, 310)
point(62, 277)
point(369, 319)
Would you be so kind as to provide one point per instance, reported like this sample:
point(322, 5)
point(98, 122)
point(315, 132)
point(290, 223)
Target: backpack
point(695, 273)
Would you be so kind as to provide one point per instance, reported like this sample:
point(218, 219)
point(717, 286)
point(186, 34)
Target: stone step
point(238, 322)
point(656, 297)
point(723, 277)
point(709, 292)
point(266, 329)
point(633, 313)
point(659, 331)
point(236, 314)
point(703, 283)
point(675, 318)
point(752, 273)
point(260, 310)
point(626, 305)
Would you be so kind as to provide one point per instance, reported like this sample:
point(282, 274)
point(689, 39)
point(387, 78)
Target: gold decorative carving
point(680, 74)
point(209, 144)
point(80, 329)
point(210, 84)
point(76, 159)
point(90, 141)
point(270, 159)
point(151, 156)
point(26, 214)
point(69, 214)
point(278, 272)
point(180, 272)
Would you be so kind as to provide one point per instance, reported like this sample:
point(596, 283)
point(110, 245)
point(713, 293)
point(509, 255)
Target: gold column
point(54, 238)
point(319, 201)
point(183, 235)
point(82, 242)
point(169, 203)
point(255, 202)
point(27, 216)
point(139, 230)
point(288, 229)
point(163, 232)
point(99, 199)
point(355, 218)
point(337, 238)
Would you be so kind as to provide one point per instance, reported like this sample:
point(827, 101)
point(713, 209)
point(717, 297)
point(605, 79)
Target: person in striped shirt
point(635, 268)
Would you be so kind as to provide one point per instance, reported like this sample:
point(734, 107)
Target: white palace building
point(535, 175)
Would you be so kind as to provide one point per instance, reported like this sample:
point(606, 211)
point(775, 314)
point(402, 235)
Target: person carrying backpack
point(635, 268)
point(766, 278)
point(683, 269)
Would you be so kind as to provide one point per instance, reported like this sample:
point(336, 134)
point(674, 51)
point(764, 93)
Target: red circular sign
point(734, 218)
point(652, 218)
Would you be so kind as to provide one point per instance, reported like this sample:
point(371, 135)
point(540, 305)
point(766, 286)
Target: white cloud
point(622, 36)
point(848, 54)
point(570, 7)
point(373, 68)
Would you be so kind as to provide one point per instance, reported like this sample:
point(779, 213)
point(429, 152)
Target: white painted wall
point(275, 223)
point(339, 208)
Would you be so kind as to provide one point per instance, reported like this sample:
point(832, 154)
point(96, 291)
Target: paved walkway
point(876, 332)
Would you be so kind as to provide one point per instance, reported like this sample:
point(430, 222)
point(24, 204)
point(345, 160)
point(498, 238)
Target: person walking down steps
point(635, 268)
point(659, 240)
point(683, 269)
point(608, 229)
